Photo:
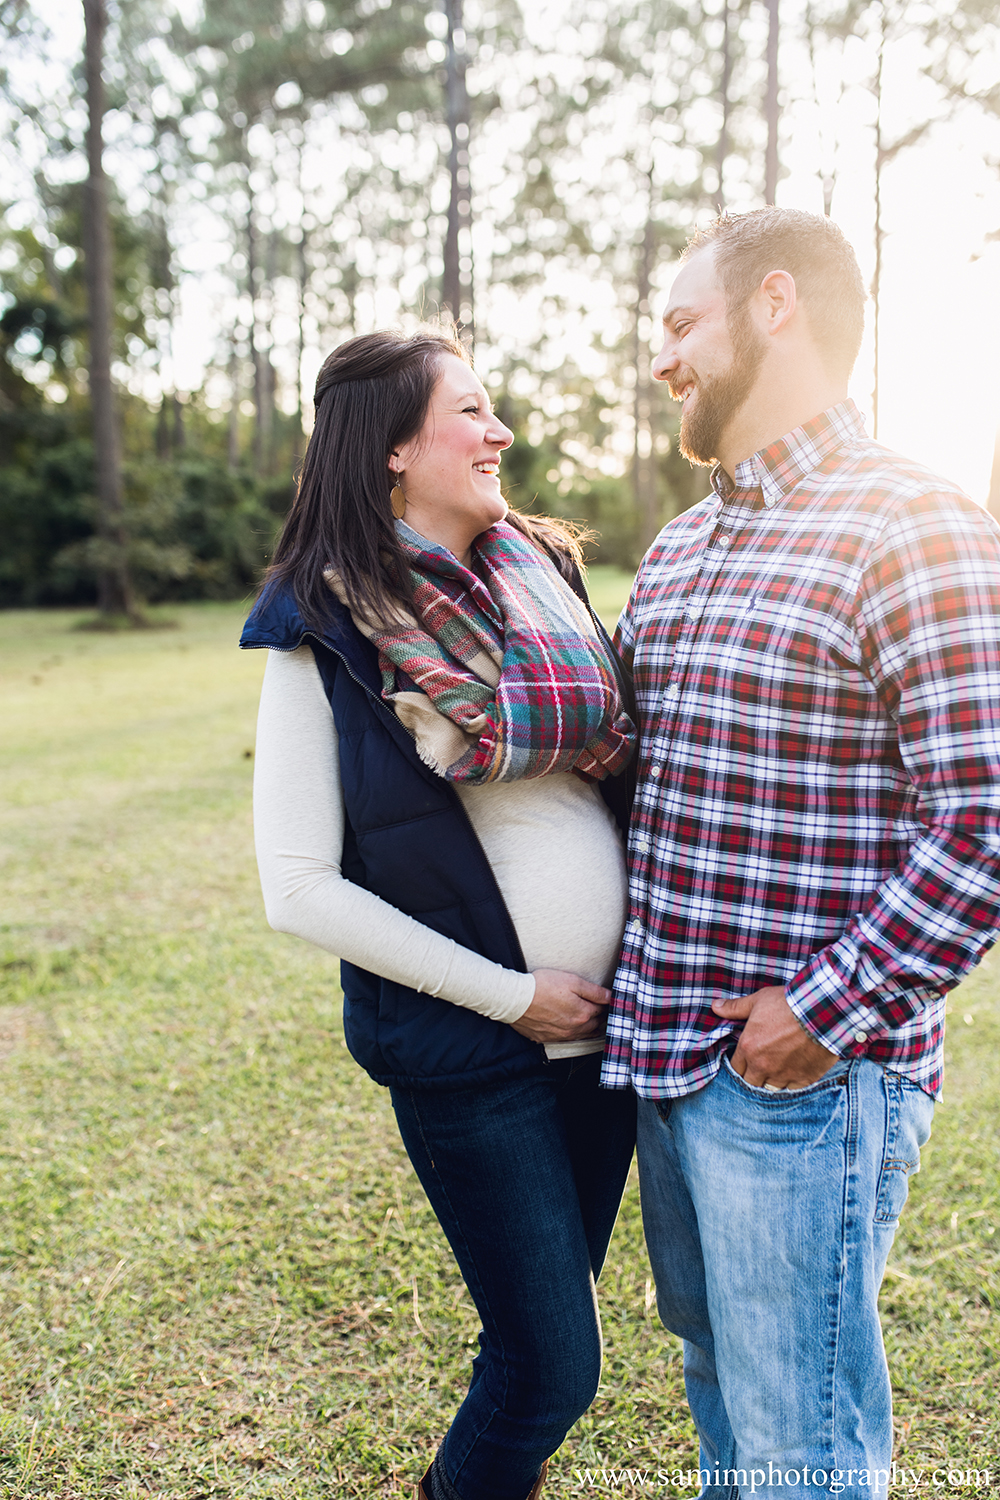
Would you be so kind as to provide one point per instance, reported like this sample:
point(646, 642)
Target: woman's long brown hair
point(372, 395)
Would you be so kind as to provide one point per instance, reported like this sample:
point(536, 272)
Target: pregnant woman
point(442, 758)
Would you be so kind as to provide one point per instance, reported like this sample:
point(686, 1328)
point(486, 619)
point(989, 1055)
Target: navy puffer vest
point(406, 838)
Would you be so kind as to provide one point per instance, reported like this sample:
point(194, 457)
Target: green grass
point(218, 1276)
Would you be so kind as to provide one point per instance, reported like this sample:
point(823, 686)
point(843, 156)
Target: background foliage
point(280, 175)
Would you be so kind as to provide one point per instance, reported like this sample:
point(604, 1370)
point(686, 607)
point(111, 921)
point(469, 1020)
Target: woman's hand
point(566, 1008)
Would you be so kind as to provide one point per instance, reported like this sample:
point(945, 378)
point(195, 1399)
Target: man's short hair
point(814, 252)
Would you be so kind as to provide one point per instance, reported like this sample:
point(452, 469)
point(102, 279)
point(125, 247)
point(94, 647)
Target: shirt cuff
point(821, 998)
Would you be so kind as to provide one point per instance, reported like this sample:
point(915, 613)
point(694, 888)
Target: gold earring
point(398, 501)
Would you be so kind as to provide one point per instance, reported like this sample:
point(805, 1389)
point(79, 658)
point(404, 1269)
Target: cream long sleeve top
point(554, 848)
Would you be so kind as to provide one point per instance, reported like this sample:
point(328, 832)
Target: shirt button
point(635, 927)
point(724, 541)
point(860, 1036)
point(655, 770)
point(642, 844)
point(672, 690)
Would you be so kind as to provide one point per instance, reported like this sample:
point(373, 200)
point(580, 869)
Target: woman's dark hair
point(372, 396)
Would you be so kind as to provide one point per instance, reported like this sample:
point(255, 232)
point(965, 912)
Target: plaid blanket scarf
point(502, 676)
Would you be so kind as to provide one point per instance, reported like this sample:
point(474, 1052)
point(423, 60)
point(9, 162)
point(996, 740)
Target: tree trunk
point(643, 460)
point(170, 439)
point(722, 150)
point(163, 430)
point(302, 287)
point(233, 435)
point(827, 169)
point(256, 353)
point(115, 594)
point(300, 350)
point(350, 285)
point(269, 373)
point(179, 439)
point(456, 284)
point(771, 106)
point(876, 287)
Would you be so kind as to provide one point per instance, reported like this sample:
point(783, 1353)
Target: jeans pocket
point(893, 1190)
point(830, 1079)
point(908, 1112)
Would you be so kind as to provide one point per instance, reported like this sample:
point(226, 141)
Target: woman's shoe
point(536, 1488)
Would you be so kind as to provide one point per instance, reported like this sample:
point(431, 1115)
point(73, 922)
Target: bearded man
point(814, 856)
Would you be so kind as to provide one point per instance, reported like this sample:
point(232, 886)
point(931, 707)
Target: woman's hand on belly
point(566, 1008)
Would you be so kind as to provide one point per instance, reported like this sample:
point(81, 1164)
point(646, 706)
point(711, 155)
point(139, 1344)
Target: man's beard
point(720, 397)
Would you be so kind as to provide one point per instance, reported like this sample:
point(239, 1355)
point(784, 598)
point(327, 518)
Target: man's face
point(710, 357)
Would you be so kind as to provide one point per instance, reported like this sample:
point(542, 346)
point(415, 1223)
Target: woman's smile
point(450, 472)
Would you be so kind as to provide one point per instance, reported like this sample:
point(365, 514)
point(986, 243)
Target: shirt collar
point(783, 464)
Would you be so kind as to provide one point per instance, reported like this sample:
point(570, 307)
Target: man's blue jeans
point(769, 1218)
point(525, 1178)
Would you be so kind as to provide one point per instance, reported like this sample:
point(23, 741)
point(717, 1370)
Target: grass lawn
point(218, 1276)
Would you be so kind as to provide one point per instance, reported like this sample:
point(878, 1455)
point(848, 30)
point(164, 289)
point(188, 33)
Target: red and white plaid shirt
point(816, 652)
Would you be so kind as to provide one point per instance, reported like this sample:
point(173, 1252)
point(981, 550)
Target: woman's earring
point(397, 500)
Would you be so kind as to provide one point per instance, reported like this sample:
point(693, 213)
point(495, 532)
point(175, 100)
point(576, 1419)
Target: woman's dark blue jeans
point(525, 1178)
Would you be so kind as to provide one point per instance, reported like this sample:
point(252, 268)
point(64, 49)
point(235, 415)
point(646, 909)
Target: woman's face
point(449, 472)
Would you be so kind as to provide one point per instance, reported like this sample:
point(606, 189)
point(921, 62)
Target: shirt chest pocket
point(800, 636)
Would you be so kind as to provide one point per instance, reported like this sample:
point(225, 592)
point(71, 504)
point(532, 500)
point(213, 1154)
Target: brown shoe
point(421, 1494)
point(537, 1487)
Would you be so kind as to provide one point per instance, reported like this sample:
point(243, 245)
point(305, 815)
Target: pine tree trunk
point(163, 449)
point(876, 287)
point(115, 595)
point(233, 434)
point(300, 348)
point(256, 354)
point(771, 106)
point(302, 287)
point(178, 437)
point(456, 284)
point(269, 374)
point(722, 150)
point(643, 459)
point(169, 436)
